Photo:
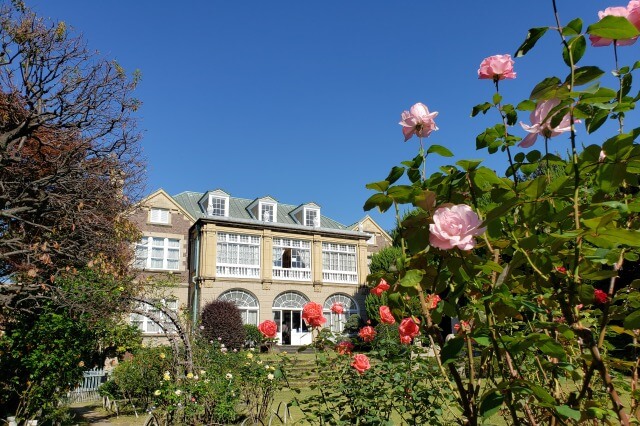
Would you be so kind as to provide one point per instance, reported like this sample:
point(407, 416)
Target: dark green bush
point(254, 337)
point(222, 321)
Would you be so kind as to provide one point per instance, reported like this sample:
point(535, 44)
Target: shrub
point(222, 321)
point(385, 260)
point(253, 336)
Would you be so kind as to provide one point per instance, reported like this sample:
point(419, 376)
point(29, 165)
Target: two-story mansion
point(269, 258)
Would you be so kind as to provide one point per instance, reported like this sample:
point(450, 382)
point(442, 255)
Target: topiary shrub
point(221, 320)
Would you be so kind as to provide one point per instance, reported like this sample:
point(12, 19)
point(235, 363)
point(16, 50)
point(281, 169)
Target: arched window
point(246, 303)
point(337, 321)
point(290, 300)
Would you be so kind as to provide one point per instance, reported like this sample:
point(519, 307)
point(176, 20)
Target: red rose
point(462, 327)
point(561, 269)
point(408, 327)
point(386, 316)
point(361, 363)
point(432, 301)
point(312, 314)
point(337, 308)
point(405, 340)
point(600, 296)
point(380, 288)
point(367, 333)
point(344, 348)
point(268, 328)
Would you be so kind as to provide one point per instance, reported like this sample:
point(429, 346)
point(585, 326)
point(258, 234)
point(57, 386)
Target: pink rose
point(418, 121)
point(405, 340)
point(337, 308)
point(344, 348)
point(380, 288)
point(432, 301)
point(561, 269)
point(386, 316)
point(268, 328)
point(367, 333)
point(454, 226)
point(541, 123)
point(408, 327)
point(600, 296)
point(631, 12)
point(497, 67)
point(462, 327)
point(602, 157)
point(361, 363)
point(312, 314)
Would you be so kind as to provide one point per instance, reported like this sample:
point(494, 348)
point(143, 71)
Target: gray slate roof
point(238, 210)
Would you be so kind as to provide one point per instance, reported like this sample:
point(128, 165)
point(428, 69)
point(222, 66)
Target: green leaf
point(468, 165)
point(381, 201)
point(577, 47)
point(451, 349)
point(584, 75)
point(526, 105)
point(412, 278)
point(378, 186)
point(546, 86)
point(627, 237)
point(601, 95)
point(566, 411)
point(490, 403)
point(440, 150)
point(613, 27)
point(395, 174)
point(573, 28)
point(632, 321)
point(480, 108)
point(532, 38)
point(401, 193)
point(497, 98)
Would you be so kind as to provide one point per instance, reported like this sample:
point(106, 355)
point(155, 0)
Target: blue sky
point(301, 100)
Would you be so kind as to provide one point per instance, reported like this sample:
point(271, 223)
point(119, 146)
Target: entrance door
point(292, 330)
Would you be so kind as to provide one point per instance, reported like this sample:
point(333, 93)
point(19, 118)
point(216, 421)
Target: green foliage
point(222, 322)
point(385, 260)
point(253, 336)
point(353, 324)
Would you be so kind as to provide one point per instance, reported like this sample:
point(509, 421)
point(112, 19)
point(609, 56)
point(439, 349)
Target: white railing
point(88, 389)
point(238, 271)
point(291, 274)
point(340, 277)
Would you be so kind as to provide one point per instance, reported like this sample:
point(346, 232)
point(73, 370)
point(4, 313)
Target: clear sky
point(301, 100)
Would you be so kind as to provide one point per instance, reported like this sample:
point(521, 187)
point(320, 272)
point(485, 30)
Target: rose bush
point(269, 329)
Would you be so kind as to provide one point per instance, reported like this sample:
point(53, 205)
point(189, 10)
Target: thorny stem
point(620, 114)
point(506, 133)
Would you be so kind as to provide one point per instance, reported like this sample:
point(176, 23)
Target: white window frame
point(274, 211)
point(246, 303)
point(145, 324)
point(336, 322)
point(158, 215)
point(339, 263)
point(316, 220)
point(149, 243)
point(217, 211)
point(292, 271)
point(237, 269)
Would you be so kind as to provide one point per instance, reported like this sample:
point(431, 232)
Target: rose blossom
point(418, 121)
point(432, 301)
point(541, 124)
point(405, 340)
point(361, 363)
point(462, 326)
point(408, 328)
point(268, 328)
point(386, 316)
point(367, 333)
point(337, 308)
point(497, 67)
point(380, 288)
point(602, 157)
point(454, 226)
point(561, 269)
point(312, 314)
point(631, 12)
point(344, 348)
point(600, 296)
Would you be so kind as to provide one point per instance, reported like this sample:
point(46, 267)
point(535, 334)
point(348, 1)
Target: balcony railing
point(340, 277)
point(291, 274)
point(238, 271)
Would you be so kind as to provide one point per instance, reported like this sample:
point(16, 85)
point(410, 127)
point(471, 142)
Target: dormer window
point(159, 216)
point(312, 217)
point(218, 206)
point(267, 212)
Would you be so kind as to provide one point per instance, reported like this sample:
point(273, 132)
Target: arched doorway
point(335, 321)
point(287, 313)
point(246, 302)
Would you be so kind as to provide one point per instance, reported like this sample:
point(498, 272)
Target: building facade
point(268, 258)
